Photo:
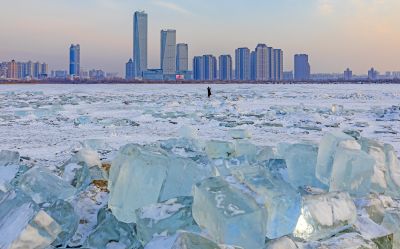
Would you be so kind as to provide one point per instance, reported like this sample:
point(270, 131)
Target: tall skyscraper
point(21, 70)
point(182, 57)
point(3, 70)
point(140, 42)
point(348, 74)
point(198, 68)
point(262, 61)
point(37, 70)
point(225, 67)
point(209, 67)
point(373, 74)
point(74, 60)
point(44, 68)
point(129, 70)
point(253, 65)
point(242, 64)
point(301, 67)
point(29, 69)
point(271, 63)
point(168, 51)
point(278, 65)
point(12, 72)
point(205, 67)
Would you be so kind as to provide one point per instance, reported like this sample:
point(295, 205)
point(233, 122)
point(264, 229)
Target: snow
point(161, 211)
point(156, 108)
point(53, 127)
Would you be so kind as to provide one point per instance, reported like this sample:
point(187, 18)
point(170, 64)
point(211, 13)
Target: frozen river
point(250, 192)
point(46, 122)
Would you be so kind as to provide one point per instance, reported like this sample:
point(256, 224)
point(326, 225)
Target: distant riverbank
point(192, 82)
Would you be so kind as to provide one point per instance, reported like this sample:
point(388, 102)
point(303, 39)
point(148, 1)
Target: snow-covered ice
point(163, 166)
point(271, 113)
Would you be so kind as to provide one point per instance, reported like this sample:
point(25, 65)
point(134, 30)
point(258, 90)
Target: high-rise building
point(271, 63)
point(348, 74)
point(21, 70)
point(262, 61)
point(44, 68)
point(140, 42)
point(74, 60)
point(373, 74)
point(29, 69)
point(205, 67)
point(97, 74)
point(225, 67)
point(242, 64)
point(302, 68)
point(198, 68)
point(12, 72)
point(3, 70)
point(210, 67)
point(37, 70)
point(253, 65)
point(388, 75)
point(278, 65)
point(168, 51)
point(182, 57)
point(130, 70)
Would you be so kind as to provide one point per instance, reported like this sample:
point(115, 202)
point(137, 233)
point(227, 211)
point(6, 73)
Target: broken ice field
point(187, 192)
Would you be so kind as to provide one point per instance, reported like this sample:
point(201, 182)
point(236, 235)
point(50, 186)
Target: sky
point(336, 34)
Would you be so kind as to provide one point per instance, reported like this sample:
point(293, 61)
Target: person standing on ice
point(209, 91)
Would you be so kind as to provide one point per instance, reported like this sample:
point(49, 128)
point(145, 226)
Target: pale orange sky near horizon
point(335, 33)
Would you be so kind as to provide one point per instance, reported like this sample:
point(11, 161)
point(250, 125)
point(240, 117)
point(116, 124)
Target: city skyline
point(333, 45)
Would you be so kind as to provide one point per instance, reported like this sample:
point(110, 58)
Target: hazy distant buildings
point(242, 64)
point(12, 72)
point(24, 70)
point(140, 42)
point(348, 74)
point(225, 67)
point(302, 68)
point(277, 65)
point(266, 64)
point(205, 67)
point(129, 70)
point(271, 63)
point(182, 57)
point(168, 51)
point(44, 70)
point(373, 74)
point(3, 70)
point(262, 60)
point(210, 67)
point(153, 74)
point(59, 74)
point(253, 63)
point(74, 60)
point(28, 70)
point(326, 76)
point(37, 67)
point(288, 76)
point(97, 74)
point(198, 68)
